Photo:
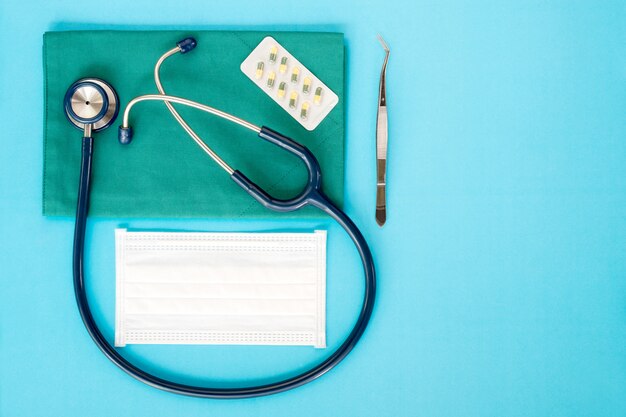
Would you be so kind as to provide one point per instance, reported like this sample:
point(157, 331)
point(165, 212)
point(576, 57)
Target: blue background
point(502, 267)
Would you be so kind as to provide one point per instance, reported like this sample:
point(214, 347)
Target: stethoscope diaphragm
point(91, 101)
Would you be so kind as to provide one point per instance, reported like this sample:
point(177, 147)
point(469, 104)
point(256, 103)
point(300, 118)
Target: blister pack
point(289, 83)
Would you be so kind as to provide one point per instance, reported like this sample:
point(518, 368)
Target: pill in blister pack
point(282, 90)
point(271, 79)
point(306, 86)
point(293, 99)
point(273, 54)
point(259, 70)
point(299, 92)
point(304, 112)
point(294, 74)
point(283, 65)
point(317, 99)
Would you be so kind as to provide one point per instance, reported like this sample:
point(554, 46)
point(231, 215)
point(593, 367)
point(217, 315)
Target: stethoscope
point(92, 105)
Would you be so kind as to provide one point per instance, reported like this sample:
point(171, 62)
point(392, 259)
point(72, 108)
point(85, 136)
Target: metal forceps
point(311, 195)
point(381, 142)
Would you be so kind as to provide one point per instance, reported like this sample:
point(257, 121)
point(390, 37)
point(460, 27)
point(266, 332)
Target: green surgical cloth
point(163, 173)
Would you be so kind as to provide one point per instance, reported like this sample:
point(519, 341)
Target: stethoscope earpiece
point(125, 135)
point(91, 102)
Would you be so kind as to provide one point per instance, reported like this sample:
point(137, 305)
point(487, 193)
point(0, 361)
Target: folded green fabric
point(163, 173)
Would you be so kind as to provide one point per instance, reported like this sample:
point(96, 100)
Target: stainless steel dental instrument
point(381, 142)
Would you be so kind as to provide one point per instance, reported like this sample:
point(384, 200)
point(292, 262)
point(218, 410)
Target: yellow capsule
point(317, 99)
point(259, 70)
point(294, 74)
point(283, 65)
point(304, 112)
point(306, 87)
point(293, 99)
point(270, 79)
point(273, 54)
point(282, 87)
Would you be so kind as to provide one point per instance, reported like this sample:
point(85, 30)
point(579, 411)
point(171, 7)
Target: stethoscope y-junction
point(92, 105)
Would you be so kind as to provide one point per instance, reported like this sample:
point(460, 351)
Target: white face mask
point(220, 288)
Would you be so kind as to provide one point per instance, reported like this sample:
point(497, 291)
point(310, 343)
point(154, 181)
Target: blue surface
point(502, 267)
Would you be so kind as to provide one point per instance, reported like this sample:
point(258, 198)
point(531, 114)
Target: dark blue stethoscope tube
point(311, 195)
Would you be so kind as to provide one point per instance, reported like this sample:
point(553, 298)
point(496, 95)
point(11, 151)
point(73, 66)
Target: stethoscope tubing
point(316, 199)
point(312, 195)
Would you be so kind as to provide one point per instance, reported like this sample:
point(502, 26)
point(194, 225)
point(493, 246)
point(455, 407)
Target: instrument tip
point(383, 43)
point(381, 216)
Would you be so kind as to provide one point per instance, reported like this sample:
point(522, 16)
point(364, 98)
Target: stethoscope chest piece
point(91, 101)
